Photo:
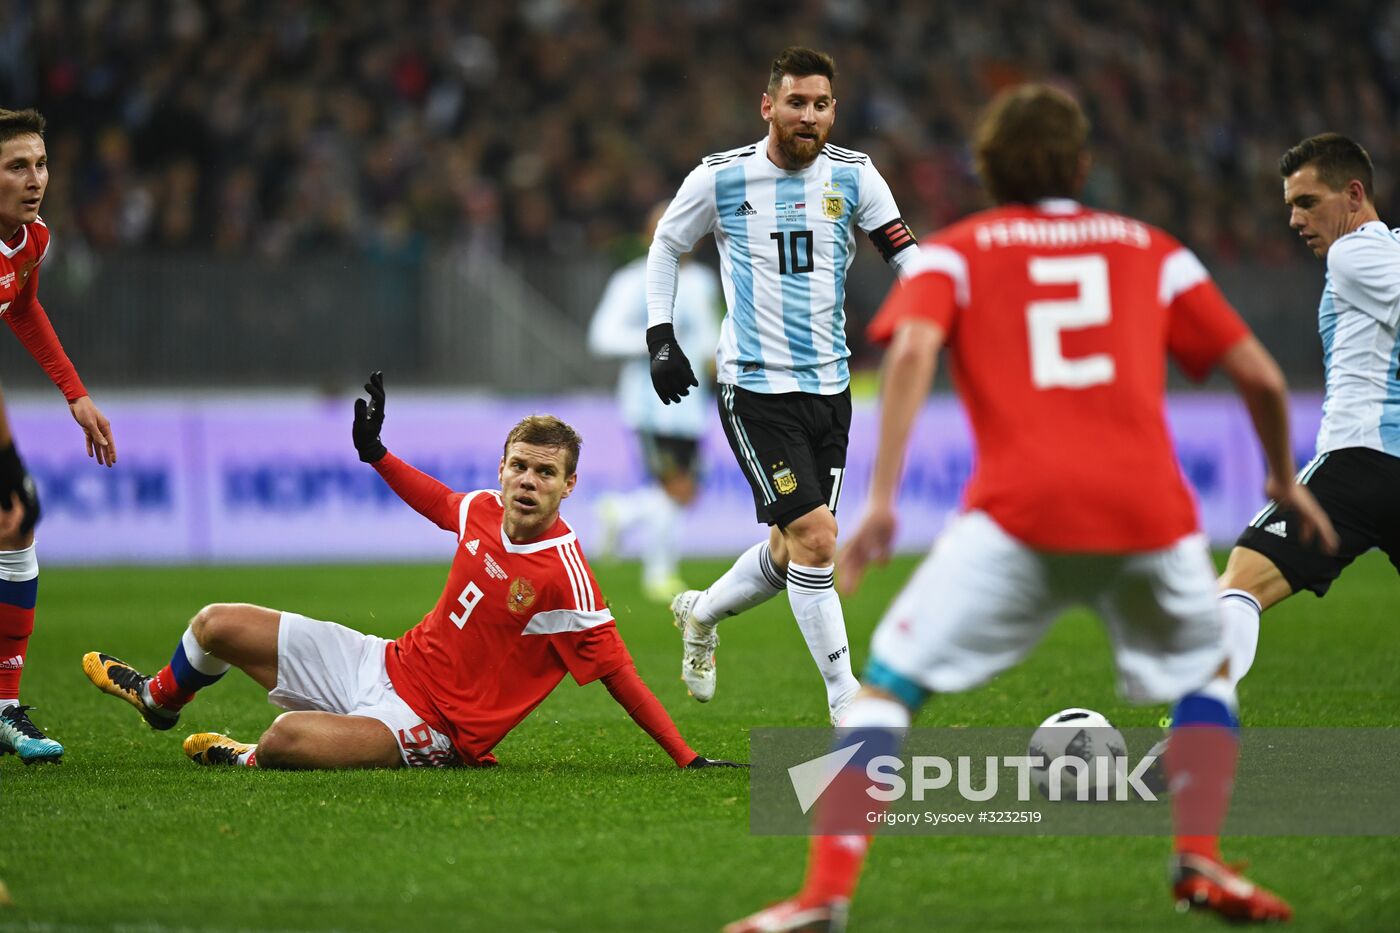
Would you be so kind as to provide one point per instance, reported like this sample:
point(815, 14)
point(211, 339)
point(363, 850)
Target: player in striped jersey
point(784, 213)
point(1328, 187)
point(668, 435)
point(520, 611)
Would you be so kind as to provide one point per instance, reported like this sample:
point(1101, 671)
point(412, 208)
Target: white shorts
point(333, 669)
point(982, 600)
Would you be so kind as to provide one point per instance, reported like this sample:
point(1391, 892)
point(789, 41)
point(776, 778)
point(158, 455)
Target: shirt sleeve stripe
point(568, 554)
point(573, 578)
point(558, 621)
point(1181, 272)
point(585, 581)
point(934, 257)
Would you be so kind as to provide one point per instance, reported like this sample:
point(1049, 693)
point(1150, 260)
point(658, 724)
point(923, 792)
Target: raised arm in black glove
point(15, 480)
point(369, 420)
point(671, 375)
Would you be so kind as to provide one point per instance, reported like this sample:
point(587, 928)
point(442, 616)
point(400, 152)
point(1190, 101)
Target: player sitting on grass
point(520, 610)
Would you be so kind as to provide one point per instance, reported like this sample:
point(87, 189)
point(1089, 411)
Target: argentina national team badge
point(784, 480)
point(522, 595)
point(833, 206)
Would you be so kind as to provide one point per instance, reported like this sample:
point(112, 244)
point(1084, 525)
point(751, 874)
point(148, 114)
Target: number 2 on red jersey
point(1046, 320)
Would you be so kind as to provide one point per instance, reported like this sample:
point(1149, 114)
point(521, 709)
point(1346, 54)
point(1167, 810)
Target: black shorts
point(668, 454)
point(1359, 489)
point(791, 447)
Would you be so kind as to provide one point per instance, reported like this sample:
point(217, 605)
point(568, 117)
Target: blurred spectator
point(290, 126)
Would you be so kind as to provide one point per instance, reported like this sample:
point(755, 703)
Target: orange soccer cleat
point(1202, 883)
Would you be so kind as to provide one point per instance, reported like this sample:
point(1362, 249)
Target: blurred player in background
point(1328, 187)
point(669, 434)
point(24, 242)
point(784, 213)
point(1059, 321)
point(520, 610)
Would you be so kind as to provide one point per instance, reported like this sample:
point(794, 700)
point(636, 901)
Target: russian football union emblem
point(521, 595)
point(784, 480)
point(833, 206)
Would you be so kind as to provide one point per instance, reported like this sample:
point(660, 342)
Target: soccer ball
point(1078, 748)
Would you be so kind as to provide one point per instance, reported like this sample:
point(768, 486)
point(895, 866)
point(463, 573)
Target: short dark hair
point(1028, 144)
point(1338, 160)
point(20, 123)
point(800, 62)
point(547, 431)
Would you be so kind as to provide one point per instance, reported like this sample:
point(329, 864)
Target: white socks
point(1239, 611)
point(661, 526)
point(659, 519)
point(817, 609)
point(753, 579)
point(876, 713)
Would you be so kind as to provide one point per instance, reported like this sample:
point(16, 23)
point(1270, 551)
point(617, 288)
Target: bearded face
point(800, 114)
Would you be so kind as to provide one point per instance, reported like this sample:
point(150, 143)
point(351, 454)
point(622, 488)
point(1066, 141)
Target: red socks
point(166, 691)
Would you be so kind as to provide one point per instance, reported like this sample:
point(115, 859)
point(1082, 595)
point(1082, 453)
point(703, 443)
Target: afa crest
point(784, 480)
point(521, 595)
point(833, 206)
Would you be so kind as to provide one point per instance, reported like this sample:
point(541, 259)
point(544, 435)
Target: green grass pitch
point(587, 826)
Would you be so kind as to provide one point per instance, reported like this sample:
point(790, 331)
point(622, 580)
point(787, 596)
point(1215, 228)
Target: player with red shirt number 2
point(520, 610)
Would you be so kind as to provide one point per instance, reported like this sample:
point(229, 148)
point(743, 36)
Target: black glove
point(700, 761)
point(15, 479)
point(671, 375)
point(369, 420)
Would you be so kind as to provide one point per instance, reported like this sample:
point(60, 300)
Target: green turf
point(587, 826)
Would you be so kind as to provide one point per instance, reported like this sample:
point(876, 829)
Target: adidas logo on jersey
point(472, 545)
point(745, 210)
point(1279, 528)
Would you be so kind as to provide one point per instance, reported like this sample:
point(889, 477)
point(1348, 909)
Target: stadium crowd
point(281, 128)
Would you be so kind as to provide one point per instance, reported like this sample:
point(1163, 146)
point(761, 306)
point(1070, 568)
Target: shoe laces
point(700, 640)
point(18, 718)
point(128, 678)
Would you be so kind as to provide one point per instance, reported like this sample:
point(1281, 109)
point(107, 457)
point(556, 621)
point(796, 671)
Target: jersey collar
point(1058, 206)
point(540, 544)
point(8, 251)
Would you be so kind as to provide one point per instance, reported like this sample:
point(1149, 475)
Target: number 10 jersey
point(785, 240)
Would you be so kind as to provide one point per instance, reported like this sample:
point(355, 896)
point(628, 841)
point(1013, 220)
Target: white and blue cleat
point(21, 737)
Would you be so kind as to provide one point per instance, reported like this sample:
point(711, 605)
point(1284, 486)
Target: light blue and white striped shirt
point(1358, 318)
point(786, 240)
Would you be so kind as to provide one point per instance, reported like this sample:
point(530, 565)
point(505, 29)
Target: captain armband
point(892, 237)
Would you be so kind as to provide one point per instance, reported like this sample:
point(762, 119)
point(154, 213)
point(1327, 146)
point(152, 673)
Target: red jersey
point(20, 257)
point(512, 620)
point(1058, 321)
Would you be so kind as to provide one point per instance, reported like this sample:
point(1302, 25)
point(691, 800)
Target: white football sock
point(1239, 611)
point(631, 507)
point(817, 609)
point(660, 558)
point(201, 660)
point(876, 712)
point(754, 579)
